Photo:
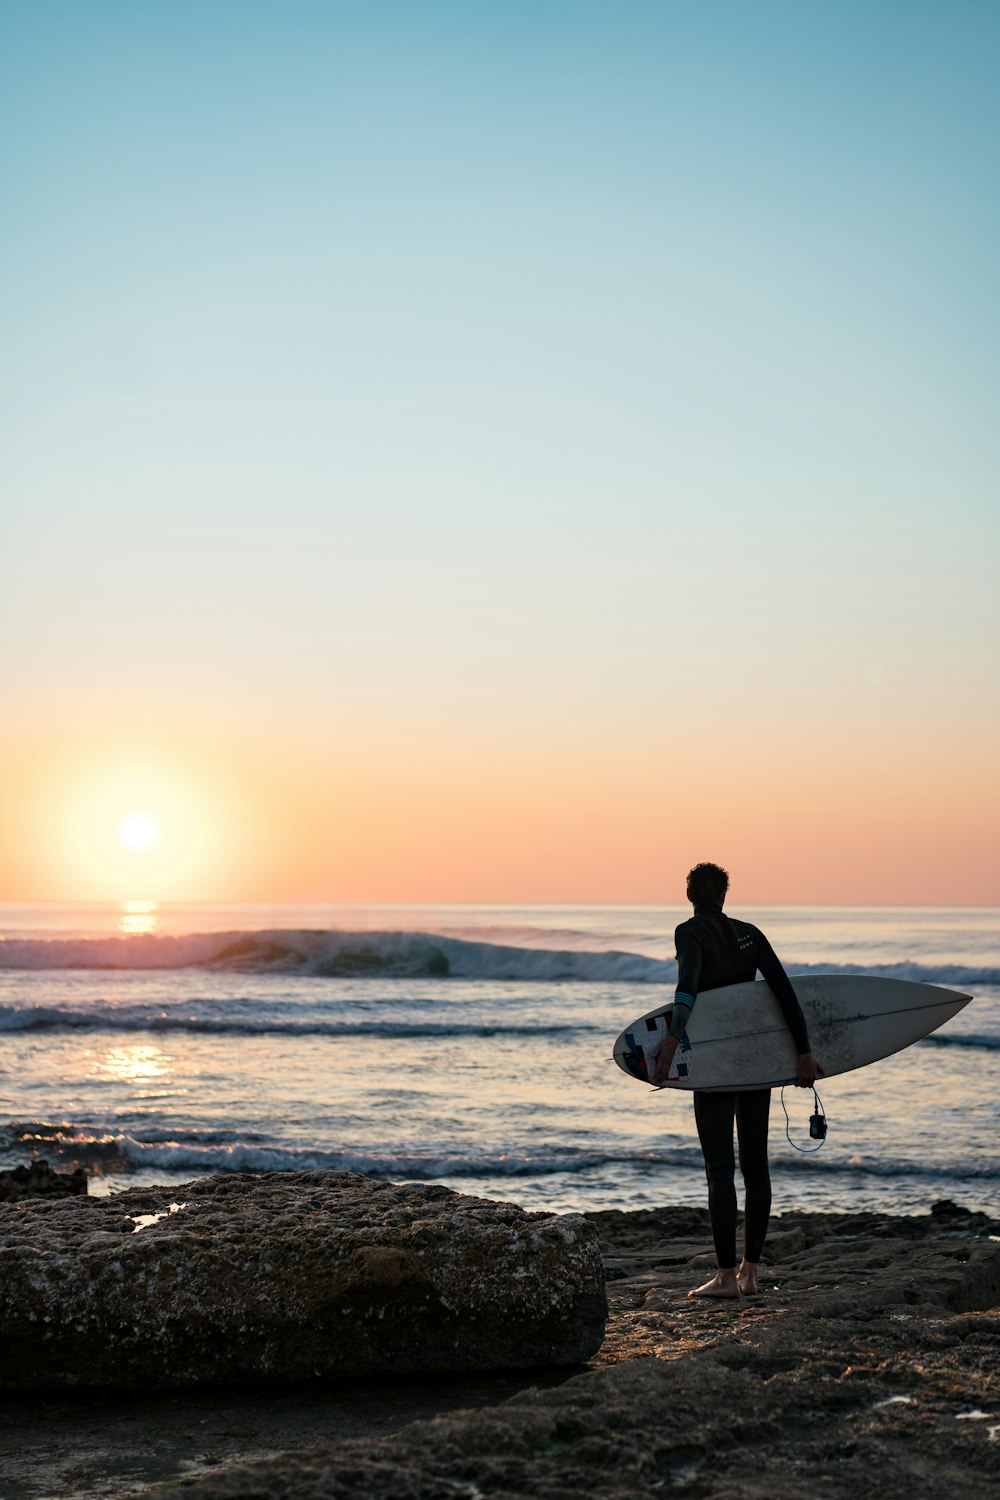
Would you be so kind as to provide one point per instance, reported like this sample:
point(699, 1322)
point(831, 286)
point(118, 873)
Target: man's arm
point(770, 966)
point(685, 994)
point(688, 952)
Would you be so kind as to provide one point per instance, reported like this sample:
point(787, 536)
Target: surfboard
point(737, 1037)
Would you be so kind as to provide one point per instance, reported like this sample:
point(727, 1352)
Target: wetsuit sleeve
point(770, 966)
point(688, 978)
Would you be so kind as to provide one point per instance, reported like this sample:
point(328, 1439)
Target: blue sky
point(502, 366)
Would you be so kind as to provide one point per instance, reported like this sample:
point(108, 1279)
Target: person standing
point(714, 950)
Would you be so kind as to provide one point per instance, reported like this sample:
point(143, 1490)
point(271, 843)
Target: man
point(714, 950)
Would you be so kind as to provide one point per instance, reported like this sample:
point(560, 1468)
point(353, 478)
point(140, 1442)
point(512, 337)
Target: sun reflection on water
point(138, 918)
point(137, 1063)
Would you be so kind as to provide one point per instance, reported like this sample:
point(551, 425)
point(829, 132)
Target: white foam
point(418, 954)
point(334, 953)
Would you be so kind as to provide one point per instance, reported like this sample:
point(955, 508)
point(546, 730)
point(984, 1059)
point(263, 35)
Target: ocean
point(468, 1045)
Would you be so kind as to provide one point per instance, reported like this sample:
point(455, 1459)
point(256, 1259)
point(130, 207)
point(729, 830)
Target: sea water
point(464, 1045)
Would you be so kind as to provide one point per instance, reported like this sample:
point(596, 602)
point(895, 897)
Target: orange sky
point(560, 820)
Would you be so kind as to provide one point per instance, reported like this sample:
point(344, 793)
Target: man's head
point(707, 885)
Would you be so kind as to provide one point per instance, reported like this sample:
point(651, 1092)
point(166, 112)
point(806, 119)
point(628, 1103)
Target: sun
point(139, 832)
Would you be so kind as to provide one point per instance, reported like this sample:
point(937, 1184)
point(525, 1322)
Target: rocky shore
point(39, 1181)
point(869, 1364)
point(289, 1276)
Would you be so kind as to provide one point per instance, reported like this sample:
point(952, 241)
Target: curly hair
point(707, 883)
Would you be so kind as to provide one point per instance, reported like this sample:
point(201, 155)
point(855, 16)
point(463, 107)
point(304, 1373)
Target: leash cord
point(818, 1115)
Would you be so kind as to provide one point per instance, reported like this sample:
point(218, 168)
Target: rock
point(284, 1276)
point(39, 1181)
point(725, 1423)
point(627, 1431)
point(805, 1391)
point(851, 1374)
point(946, 1208)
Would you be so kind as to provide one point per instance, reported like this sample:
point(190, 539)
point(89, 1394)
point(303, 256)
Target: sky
point(499, 452)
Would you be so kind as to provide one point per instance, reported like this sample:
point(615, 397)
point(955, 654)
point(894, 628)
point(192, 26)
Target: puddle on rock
point(143, 1221)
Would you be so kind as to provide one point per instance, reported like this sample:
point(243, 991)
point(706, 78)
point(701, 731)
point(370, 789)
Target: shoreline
point(691, 1196)
point(859, 1321)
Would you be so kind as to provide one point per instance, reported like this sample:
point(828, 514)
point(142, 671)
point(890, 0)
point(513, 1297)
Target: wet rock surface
point(39, 1181)
point(869, 1364)
point(111, 1446)
point(287, 1277)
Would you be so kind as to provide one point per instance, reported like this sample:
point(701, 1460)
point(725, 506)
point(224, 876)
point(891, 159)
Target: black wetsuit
point(714, 950)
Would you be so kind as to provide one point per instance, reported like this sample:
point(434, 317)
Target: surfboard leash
point(817, 1124)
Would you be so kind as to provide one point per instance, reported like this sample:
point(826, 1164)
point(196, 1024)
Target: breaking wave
point(333, 955)
point(201, 1153)
point(957, 1039)
point(343, 954)
point(205, 1152)
point(251, 1018)
point(384, 1020)
point(953, 975)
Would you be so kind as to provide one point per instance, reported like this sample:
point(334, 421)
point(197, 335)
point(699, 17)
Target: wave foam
point(200, 1153)
point(957, 1039)
point(334, 955)
point(953, 975)
point(204, 1153)
point(343, 954)
point(219, 1017)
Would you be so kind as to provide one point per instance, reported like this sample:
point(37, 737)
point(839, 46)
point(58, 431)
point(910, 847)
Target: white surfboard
point(737, 1037)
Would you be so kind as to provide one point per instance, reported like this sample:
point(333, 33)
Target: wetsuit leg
point(752, 1109)
point(713, 1115)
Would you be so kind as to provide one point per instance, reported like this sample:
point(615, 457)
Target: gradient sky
point(500, 451)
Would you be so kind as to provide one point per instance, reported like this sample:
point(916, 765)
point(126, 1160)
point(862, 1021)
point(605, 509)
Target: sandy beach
point(869, 1363)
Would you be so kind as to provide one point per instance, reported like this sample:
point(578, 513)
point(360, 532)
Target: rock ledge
point(288, 1276)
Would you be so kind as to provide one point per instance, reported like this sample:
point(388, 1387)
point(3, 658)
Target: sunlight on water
point(260, 1039)
point(136, 1063)
point(138, 917)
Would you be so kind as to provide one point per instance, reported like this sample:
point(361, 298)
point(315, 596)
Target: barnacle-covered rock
point(286, 1276)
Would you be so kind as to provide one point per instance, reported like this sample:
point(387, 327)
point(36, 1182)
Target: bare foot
point(746, 1278)
point(723, 1284)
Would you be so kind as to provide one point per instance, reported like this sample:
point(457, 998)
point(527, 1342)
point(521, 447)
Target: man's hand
point(809, 1071)
point(663, 1057)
